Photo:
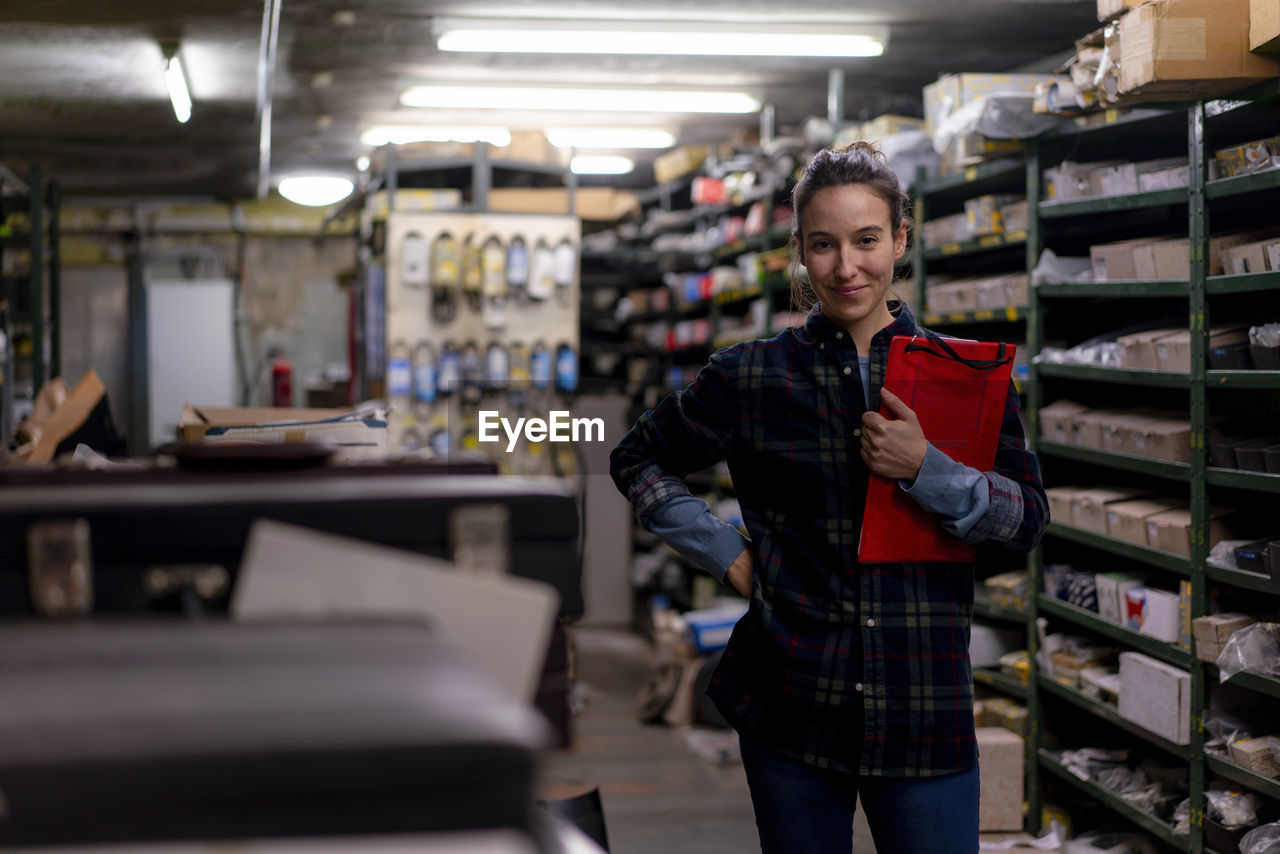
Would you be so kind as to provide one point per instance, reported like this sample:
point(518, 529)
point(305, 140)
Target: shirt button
point(871, 622)
point(857, 432)
point(858, 687)
point(848, 370)
point(839, 336)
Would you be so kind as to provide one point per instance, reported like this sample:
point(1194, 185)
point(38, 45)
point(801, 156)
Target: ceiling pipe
point(266, 74)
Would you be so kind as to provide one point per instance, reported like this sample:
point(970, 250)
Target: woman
point(843, 678)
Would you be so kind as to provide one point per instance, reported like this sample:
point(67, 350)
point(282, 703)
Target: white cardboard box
point(1001, 779)
point(1156, 696)
point(1153, 612)
point(1112, 587)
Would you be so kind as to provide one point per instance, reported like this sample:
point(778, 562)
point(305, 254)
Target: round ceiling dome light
point(315, 191)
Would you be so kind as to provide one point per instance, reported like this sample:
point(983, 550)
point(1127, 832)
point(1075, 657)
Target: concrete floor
point(658, 794)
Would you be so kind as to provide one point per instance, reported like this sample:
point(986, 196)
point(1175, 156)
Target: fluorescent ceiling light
point(405, 134)
point(176, 82)
point(610, 138)
point(692, 38)
point(315, 190)
point(599, 100)
point(601, 164)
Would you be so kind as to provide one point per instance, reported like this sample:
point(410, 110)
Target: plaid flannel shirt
point(854, 667)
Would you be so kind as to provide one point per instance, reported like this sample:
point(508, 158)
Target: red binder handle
point(949, 353)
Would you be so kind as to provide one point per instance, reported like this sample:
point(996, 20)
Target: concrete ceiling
point(81, 89)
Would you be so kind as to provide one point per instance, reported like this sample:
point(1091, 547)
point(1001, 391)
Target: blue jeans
point(801, 809)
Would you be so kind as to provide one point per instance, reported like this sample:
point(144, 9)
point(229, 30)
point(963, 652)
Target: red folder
point(957, 389)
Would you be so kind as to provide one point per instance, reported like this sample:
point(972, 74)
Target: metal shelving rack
point(36, 237)
point(1118, 135)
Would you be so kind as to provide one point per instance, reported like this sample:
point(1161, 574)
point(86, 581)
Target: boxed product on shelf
point(888, 125)
point(1252, 257)
point(1003, 712)
point(1003, 291)
point(1069, 180)
point(1126, 520)
point(1060, 500)
point(1008, 589)
point(1101, 683)
point(984, 212)
point(1156, 696)
point(1167, 178)
point(1089, 506)
point(1117, 431)
point(1189, 49)
point(947, 229)
point(1152, 612)
point(1015, 216)
point(1167, 439)
point(1256, 755)
point(1213, 631)
point(1016, 665)
point(957, 295)
point(1246, 157)
point(1138, 350)
point(1173, 351)
point(1055, 420)
point(1170, 530)
point(1264, 26)
point(1113, 262)
point(1080, 589)
point(1112, 590)
point(1086, 427)
point(1000, 779)
point(679, 161)
point(950, 92)
point(1123, 178)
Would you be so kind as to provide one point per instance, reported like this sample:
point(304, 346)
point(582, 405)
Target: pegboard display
point(482, 316)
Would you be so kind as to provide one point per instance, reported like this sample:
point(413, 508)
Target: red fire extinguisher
point(281, 380)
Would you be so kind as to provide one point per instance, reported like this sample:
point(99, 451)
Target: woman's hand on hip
point(893, 449)
point(740, 573)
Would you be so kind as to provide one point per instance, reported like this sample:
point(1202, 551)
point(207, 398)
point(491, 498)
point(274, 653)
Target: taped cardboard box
point(1264, 26)
point(1172, 258)
point(1170, 530)
point(1156, 696)
point(1173, 351)
point(1055, 420)
point(1247, 257)
point(1086, 427)
point(1089, 506)
point(1110, 9)
point(1117, 433)
point(1189, 48)
point(1061, 499)
point(1213, 632)
point(1167, 439)
point(1138, 350)
point(1127, 520)
point(1113, 262)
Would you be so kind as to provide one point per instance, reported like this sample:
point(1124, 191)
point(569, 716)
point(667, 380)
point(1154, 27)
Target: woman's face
point(849, 247)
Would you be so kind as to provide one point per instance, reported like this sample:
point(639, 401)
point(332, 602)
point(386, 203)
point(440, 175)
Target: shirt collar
point(818, 328)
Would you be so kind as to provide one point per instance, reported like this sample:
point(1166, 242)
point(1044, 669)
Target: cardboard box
point(1001, 777)
point(1060, 499)
point(1264, 26)
point(1070, 180)
point(1055, 420)
point(1213, 632)
point(1113, 262)
point(950, 92)
point(1123, 178)
point(357, 438)
point(1086, 427)
point(1112, 588)
point(599, 204)
point(1245, 157)
point(1138, 350)
point(678, 162)
point(1256, 755)
point(1109, 9)
point(983, 213)
point(1170, 530)
point(1173, 351)
point(1168, 178)
point(1089, 506)
point(1015, 216)
point(1117, 433)
point(1127, 520)
point(1156, 696)
point(1153, 612)
point(888, 125)
point(1247, 258)
point(1166, 439)
point(1189, 48)
point(976, 148)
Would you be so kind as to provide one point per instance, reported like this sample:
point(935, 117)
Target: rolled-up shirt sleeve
point(686, 524)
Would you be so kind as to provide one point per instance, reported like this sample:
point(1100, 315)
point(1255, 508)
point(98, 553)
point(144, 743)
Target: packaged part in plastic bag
point(1264, 839)
point(1255, 648)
